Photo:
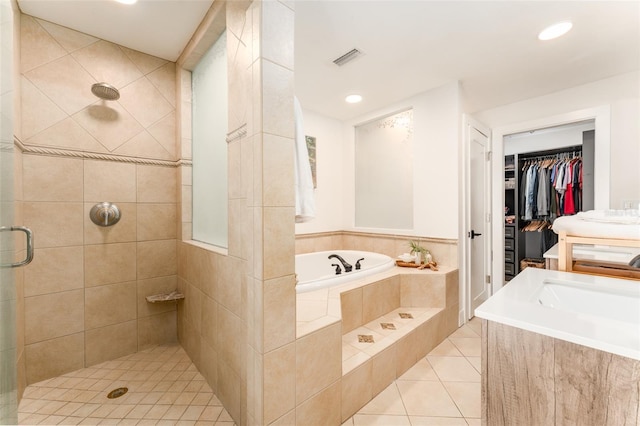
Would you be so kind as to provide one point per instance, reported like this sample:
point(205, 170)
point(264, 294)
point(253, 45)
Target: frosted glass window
point(209, 148)
point(384, 172)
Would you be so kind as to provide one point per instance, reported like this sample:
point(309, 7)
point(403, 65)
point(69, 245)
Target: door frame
point(602, 171)
point(464, 248)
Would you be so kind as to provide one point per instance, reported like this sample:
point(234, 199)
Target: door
point(478, 226)
point(8, 388)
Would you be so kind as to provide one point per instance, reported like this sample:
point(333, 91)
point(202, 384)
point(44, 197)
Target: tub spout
point(347, 266)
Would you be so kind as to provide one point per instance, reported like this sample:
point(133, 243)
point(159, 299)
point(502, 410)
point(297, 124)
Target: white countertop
point(598, 312)
point(601, 253)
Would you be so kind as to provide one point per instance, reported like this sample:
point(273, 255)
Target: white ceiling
point(409, 46)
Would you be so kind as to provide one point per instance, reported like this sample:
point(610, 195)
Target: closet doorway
point(600, 116)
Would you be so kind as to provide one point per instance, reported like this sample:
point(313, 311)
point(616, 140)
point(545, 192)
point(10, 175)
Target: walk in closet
point(541, 185)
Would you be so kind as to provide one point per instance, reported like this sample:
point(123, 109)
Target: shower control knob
point(105, 214)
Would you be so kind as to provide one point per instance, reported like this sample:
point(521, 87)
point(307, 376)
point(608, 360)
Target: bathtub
point(598, 312)
point(314, 270)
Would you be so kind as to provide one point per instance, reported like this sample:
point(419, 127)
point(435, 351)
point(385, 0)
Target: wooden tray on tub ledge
point(431, 265)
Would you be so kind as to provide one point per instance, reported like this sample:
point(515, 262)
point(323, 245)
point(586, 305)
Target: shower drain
point(117, 393)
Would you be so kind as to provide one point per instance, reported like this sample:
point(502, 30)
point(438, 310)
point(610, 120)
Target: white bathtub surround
point(315, 270)
point(598, 312)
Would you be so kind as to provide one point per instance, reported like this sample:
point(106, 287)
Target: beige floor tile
point(380, 420)
point(454, 369)
point(156, 412)
point(446, 348)
point(475, 361)
point(437, 421)
point(464, 331)
point(387, 402)
point(210, 413)
point(474, 422)
point(466, 396)
point(469, 346)
point(422, 398)
point(422, 370)
point(193, 412)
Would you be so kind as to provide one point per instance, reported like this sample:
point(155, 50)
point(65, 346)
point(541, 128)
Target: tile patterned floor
point(166, 389)
point(441, 389)
point(164, 386)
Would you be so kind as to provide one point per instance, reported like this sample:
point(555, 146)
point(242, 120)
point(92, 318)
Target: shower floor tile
point(164, 388)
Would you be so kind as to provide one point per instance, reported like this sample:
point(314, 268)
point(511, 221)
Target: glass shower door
point(8, 387)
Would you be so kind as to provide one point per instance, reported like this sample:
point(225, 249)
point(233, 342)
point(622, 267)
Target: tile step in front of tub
point(410, 330)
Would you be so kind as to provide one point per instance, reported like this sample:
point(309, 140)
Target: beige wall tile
point(54, 224)
point(279, 382)
point(145, 63)
point(109, 181)
point(209, 330)
point(351, 305)
point(228, 283)
point(277, 172)
point(37, 111)
point(156, 184)
point(384, 370)
point(37, 47)
point(156, 258)
point(65, 82)
point(53, 315)
point(70, 40)
point(321, 409)
point(279, 252)
point(279, 316)
point(111, 342)
point(453, 288)
point(144, 145)
point(277, 40)
point(156, 222)
point(422, 290)
point(54, 357)
point(406, 352)
point(53, 270)
point(52, 178)
point(229, 390)
point(122, 232)
point(157, 330)
point(153, 286)
point(144, 102)
point(164, 79)
point(164, 131)
point(318, 361)
point(106, 62)
point(67, 134)
point(380, 298)
point(277, 101)
point(192, 305)
point(208, 365)
point(109, 304)
point(230, 332)
point(110, 124)
point(109, 263)
point(356, 389)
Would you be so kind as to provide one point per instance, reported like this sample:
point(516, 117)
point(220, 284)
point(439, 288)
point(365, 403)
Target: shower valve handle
point(338, 270)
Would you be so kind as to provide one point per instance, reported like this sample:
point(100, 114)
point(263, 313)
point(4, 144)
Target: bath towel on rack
point(305, 197)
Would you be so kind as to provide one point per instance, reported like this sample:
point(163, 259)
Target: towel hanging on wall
point(305, 201)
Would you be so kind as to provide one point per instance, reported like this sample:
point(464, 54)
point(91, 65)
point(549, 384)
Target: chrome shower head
point(105, 91)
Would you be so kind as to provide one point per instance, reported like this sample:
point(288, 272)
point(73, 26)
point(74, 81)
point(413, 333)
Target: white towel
point(305, 201)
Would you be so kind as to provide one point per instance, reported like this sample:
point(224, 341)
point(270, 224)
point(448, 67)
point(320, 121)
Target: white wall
point(329, 173)
point(436, 138)
point(436, 117)
point(622, 94)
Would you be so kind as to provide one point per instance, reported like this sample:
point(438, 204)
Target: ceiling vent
point(349, 56)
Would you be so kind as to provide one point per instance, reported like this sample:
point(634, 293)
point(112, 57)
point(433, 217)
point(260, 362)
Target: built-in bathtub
point(315, 271)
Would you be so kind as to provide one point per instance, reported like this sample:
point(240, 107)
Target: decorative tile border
point(55, 152)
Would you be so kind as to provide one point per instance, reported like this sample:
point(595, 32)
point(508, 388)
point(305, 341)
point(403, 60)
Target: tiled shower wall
point(84, 293)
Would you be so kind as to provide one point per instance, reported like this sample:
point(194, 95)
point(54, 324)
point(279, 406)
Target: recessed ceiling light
point(127, 1)
point(353, 99)
point(555, 30)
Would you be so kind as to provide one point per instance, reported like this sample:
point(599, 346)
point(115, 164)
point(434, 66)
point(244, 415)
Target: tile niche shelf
point(165, 297)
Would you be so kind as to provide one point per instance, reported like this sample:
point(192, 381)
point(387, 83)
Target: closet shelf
point(165, 297)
